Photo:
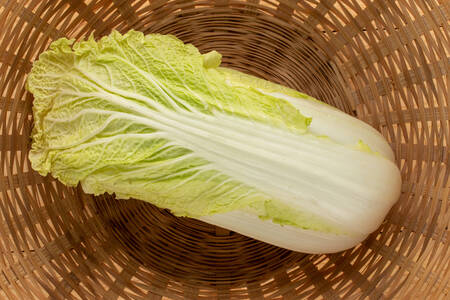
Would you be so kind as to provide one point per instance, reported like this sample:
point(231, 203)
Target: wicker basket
point(386, 62)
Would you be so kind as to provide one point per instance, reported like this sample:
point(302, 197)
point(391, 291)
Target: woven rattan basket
point(385, 62)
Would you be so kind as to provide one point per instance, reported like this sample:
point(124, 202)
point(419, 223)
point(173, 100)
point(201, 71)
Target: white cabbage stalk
point(151, 118)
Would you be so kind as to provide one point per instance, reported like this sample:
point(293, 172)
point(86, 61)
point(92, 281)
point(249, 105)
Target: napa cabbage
point(149, 117)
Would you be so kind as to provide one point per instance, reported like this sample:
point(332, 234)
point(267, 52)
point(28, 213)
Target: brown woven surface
point(386, 62)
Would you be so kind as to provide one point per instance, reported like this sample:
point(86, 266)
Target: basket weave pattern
point(385, 62)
